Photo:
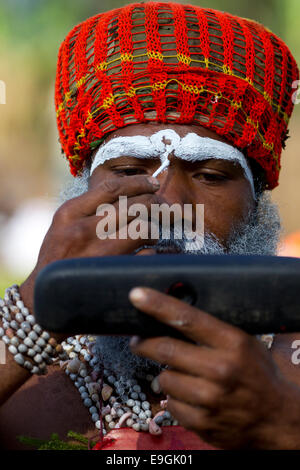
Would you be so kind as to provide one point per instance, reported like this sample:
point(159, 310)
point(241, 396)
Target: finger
point(214, 365)
point(109, 191)
point(188, 416)
point(192, 322)
point(195, 391)
point(116, 215)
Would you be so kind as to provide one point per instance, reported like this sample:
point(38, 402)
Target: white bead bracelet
point(31, 346)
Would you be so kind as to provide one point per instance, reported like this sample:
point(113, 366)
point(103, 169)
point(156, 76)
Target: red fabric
point(175, 63)
point(172, 438)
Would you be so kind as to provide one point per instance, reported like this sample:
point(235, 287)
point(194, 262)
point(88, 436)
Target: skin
point(214, 388)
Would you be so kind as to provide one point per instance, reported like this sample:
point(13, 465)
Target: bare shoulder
point(42, 406)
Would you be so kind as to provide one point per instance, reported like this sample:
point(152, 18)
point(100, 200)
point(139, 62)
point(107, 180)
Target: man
point(178, 71)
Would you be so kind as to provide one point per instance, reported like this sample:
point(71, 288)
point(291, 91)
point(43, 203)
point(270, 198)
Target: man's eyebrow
point(128, 159)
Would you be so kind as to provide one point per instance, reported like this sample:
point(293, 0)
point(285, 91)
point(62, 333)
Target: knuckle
point(110, 186)
point(228, 370)
point(63, 213)
point(165, 350)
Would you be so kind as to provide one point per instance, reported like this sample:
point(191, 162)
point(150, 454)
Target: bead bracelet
point(31, 346)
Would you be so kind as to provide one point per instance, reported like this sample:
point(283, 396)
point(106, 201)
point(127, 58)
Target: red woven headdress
point(174, 63)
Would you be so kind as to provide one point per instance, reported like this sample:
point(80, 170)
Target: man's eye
point(210, 177)
point(129, 171)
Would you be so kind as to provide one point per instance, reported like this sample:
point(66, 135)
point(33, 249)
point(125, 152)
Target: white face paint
point(191, 148)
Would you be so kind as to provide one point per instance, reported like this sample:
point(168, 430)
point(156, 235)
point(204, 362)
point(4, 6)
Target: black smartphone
point(259, 294)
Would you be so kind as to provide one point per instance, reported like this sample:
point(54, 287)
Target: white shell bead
point(20, 304)
point(129, 422)
point(108, 418)
point(95, 417)
point(12, 349)
point(25, 325)
point(146, 405)
point(111, 425)
point(28, 365)
point(5, 339)
point(19, 317)
point(37, 329)
point(136, 426)
point(32, 335)
point(30, 319)
point(15, 341)
point(45, 335)
point(155, 385)
point(28, 342)
point(19, 359)
point(14, 325)
point(49, 349)
point(1, 332)
point(134, 395)
point(21, 334)
point(136, 409)
point(38, 358)
point(130, 402)
point(30, 352)
point(41, 342)
point(22, 348)
point(37, 349)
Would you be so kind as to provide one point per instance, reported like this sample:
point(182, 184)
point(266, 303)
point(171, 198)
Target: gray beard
point(259, 235)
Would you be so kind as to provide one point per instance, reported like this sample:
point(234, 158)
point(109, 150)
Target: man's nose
point(174, 187)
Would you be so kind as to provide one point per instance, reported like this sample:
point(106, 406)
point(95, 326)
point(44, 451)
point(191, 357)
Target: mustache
point(182, 243)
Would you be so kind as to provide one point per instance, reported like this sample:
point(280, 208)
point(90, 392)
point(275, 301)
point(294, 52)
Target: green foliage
point(55, 443)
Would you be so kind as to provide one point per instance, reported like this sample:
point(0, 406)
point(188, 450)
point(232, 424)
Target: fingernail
point(134, 341)
point(153, 181)
point(137, 295)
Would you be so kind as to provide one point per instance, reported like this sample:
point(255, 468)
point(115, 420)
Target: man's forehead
point(148, 129)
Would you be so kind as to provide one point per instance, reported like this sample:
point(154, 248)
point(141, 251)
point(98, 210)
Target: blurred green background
point(31, 166)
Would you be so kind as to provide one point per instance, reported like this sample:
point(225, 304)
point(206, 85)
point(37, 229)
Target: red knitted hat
point(173, 63)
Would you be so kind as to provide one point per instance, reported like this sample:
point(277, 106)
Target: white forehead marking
point(192, 148)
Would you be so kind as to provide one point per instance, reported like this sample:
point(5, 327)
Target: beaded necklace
point(108, 399)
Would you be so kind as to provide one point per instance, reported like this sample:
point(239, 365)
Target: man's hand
point(225, 385)
point(72, 233)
